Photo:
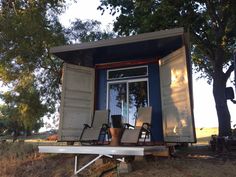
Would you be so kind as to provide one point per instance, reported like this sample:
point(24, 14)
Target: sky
point(84, 10)
point(204, 105)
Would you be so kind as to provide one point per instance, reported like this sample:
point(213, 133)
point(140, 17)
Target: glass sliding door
point(138, 97)
point(117, 96)
point(125, 97)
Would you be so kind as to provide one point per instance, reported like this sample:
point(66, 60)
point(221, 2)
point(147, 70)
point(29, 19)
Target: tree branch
point(206, 44)
point(212, 11)
point(218, 25)
point(229, 71)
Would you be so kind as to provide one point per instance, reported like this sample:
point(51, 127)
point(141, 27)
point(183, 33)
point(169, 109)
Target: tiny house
point(123, 74)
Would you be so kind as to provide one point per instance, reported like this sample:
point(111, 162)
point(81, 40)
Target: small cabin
point(123, 74)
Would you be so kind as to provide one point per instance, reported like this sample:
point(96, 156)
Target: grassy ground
point(185, 166)
point(23, 160)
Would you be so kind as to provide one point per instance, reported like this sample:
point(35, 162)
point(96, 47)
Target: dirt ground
point(188, 162)
point(23, 160)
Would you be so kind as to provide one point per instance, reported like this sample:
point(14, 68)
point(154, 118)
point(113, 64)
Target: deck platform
point(102, 150)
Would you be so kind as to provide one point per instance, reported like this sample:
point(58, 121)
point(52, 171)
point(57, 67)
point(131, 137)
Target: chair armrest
point(146, 126)
point(87, 126)
point(127, 125)
point(105, 126)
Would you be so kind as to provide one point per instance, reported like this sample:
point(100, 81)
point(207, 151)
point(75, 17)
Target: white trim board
point(102, 150)
point(119, 41)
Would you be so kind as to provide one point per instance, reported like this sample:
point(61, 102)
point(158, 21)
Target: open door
point(77, 101)
point(177, 115)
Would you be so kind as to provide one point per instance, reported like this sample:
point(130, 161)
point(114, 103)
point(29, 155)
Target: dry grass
point(183, 168)
point(204, 134)
point(12, 154)
point(23, 160)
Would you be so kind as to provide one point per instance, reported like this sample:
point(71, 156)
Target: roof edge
point(119, 41)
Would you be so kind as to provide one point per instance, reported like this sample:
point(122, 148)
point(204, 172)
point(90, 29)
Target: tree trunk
point(219, 85)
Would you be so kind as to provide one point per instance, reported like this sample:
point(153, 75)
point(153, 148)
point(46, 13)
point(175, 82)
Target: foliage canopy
point(211, 24)
point(30, 73)
point(27, 30)
point(86, 31)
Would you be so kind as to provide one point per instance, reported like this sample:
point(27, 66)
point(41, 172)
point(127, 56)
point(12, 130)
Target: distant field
point(204, 134)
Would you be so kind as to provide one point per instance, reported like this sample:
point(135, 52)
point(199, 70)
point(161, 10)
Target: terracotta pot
point(115, 136)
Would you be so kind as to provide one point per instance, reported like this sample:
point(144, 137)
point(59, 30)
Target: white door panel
point(176, 108)
point(77, 102)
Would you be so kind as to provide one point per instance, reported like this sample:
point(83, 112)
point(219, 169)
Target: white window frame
point(127, 68)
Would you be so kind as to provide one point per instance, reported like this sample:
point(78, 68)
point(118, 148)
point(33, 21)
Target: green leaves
point(86, 31)
point(27, 30)
point(211, 24)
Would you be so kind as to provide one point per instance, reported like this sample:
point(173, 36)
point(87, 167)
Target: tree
point(211, 24)
point(86, 31)
point(32, 75)
point(27, 30)
point(25, 108)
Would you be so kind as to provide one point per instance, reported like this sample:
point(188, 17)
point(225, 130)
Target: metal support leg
point(76, 164)
point(76, 171)
point(118, 159)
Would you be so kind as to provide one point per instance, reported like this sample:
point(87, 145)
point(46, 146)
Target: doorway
point(126, 96)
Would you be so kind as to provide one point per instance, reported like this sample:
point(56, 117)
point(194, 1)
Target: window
point(127, 90)
point(131, 72)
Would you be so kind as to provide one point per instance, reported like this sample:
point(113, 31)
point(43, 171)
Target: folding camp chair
point(141, 130)
point(96, 133)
